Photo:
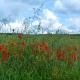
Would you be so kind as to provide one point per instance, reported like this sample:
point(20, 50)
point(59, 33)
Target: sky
point(54, 15)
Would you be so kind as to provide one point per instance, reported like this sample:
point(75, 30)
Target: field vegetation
point(39, 57)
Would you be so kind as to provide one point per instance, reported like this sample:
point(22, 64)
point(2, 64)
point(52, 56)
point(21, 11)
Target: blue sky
point(61, 14)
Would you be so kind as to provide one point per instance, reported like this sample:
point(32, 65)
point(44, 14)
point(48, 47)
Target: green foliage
point(38, 66)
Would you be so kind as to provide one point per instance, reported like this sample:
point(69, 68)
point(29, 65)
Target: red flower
point(73, 55)
point(20, 36)
point(0, 47)
point(48, 55)
point(51, 52)
point(3, 56)
point(58, 50)
point(23, 43)
point(46, 47)
point(19, 50)
point(8, 53)
point(12, 44)
point(5, 51)
point(70, 62)
point(59, 55)
point(34, 52)
point(42, 50)
point(43, 43)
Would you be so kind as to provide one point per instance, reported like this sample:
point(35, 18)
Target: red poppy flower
point(73, 55)
point(8, 53)
point(70, 62)
point(20, 36)
point(12, 44)
point(58, 50)
point(0, 47)
point(51, 52)
point(43, 43)
point(19, 50)
point(34, 52)
point(59, 55)
point(47, 48)
point(5, 51)
point(42, 50)
point(4, 56)
point(23, 43)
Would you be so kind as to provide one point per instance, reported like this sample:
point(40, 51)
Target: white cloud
point(17, 7)
point(74, 23)
point(69, 9)
point(56, 25)
point(35, 23)
point(45, 32)
point(49, 15)
point(68, 6)
point(60, 7)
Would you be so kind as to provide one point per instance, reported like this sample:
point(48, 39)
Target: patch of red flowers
point(43, 47)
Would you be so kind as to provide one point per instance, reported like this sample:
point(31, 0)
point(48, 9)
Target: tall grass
point(25, 59)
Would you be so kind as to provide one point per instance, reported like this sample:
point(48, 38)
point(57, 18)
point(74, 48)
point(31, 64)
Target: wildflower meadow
point(39, 57)
point(28, 55)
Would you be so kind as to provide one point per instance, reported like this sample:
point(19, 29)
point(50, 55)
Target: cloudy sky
point(56, 14)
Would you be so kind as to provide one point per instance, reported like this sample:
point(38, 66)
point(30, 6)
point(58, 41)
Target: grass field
point(39, 57)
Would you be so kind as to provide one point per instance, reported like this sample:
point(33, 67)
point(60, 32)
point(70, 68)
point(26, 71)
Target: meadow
point(40, 57)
